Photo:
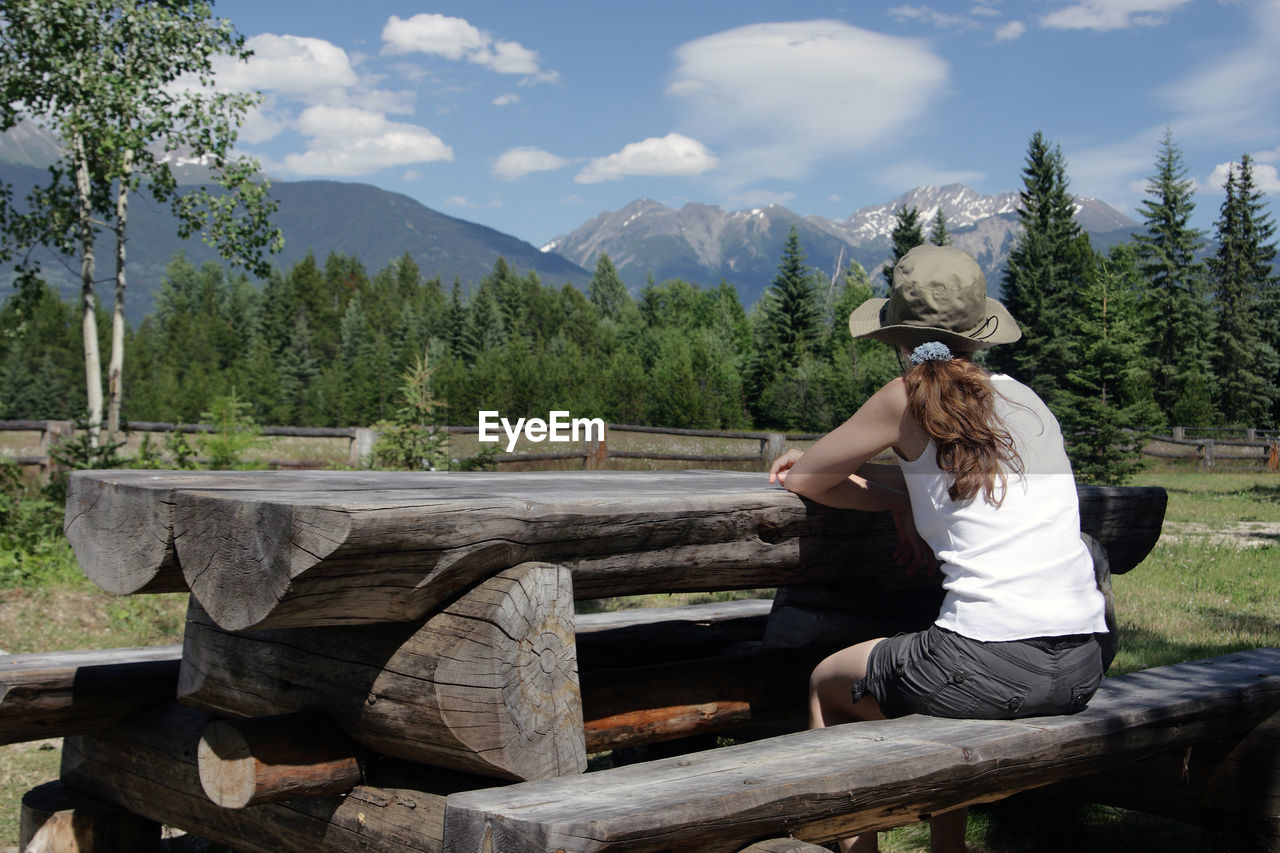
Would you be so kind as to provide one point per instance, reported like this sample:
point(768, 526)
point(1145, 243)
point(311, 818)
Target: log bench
point(831, 783)
point(412, 637)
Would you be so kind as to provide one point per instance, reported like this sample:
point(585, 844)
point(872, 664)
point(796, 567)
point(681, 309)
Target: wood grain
point(288, 549)
point(267, 759)
point(60, 693)
point(831, 783)
point(488, 685)
point(147, 765)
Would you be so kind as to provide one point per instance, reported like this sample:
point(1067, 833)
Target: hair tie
point(930, 351)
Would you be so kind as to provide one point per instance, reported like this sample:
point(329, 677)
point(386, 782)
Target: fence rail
point(619, 446)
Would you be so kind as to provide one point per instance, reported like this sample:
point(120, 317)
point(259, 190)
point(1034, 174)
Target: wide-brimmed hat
point(939, 294)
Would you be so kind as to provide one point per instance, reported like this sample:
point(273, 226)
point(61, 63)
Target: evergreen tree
point(456, 321)
point(938, 234)
point(1240, 272)
point(1176, 303)
point(606, 291)
point(907, 234)
point(40, 373)
point(1046, 271)
point(865, 364)
point(297, 368)
point(788, 324)
point(791, 307)
point(1108, 408)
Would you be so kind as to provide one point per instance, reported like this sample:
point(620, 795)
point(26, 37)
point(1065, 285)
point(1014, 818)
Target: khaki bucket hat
point(939, 294)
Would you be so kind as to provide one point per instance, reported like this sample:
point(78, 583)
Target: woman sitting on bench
point(983, 477)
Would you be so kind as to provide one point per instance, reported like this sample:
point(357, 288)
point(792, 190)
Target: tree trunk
point(115, 368)
point(89, 316)
point(269, 759)
point(488, 685)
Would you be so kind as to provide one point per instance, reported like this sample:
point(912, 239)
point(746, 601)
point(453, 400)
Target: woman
point(983, 490)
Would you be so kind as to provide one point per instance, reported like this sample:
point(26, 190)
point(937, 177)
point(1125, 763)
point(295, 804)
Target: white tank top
point(1018, 570)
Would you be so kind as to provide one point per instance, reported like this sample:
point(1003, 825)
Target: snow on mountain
point(648, 241)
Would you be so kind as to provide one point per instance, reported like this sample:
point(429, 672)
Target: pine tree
point(1045, 273)
point(1108, 408)
point(907, 234)
point(607, 292)
point(791, 305)
point(1240, 273)
point(1175, 302)
point(938, 234)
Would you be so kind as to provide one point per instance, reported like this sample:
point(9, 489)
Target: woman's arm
point(827, 472)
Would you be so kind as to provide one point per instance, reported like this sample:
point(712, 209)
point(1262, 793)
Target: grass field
point(1197, 595)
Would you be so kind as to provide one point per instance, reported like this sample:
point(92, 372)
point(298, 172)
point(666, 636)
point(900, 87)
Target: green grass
point(1225, 497)
point(1187, 600)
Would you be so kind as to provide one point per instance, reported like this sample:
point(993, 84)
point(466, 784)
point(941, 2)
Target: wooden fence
point(621, 446)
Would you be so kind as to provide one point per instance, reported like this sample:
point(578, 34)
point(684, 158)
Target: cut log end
point(248, 762)
point(226, 766)
point(57, 818)
point(122, 537)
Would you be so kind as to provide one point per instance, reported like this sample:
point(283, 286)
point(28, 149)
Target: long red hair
point(954, 403)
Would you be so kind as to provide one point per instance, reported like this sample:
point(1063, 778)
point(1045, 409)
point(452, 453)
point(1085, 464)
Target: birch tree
point(128, 87)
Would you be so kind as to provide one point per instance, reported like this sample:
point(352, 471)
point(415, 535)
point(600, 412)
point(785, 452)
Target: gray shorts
point(944, 674)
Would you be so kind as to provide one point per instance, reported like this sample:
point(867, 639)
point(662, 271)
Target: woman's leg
point(831, 703)
point(831, 688)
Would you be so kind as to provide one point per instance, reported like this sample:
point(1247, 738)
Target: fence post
point(55, 432)
point(598, 452)
point(1206, 457)
point(362, 439)
point(1179, 433)
point(771, 447)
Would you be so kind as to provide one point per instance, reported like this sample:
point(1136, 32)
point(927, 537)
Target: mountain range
point(645, 240)
point(360, 220)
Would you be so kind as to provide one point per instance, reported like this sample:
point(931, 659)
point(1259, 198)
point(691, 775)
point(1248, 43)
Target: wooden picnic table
point(430, 617)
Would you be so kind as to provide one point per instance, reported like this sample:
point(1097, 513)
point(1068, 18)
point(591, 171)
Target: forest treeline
point(1146, 335)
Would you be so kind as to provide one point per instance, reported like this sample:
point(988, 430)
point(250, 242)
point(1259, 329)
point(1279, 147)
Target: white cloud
point(670, 155)
point(506, 100)
point(776, 98)
point(456, 39)
point(1111, 14)
point(1010, 31)
point(349, 141)
point(517, 162)
point(1266, 179)
point(1232, 97)
point(930, 15)
point(306, 69)
point(1116, 171)
point(260, 125)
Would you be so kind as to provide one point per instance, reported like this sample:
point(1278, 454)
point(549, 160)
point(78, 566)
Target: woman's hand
point(778, 470)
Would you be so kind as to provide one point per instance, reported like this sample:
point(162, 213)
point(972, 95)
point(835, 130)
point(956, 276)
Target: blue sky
point(533, 117)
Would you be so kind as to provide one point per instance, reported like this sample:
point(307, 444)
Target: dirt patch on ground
point(1242, 534)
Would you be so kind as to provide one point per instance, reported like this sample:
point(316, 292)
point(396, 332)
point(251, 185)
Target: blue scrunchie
point(930, 351)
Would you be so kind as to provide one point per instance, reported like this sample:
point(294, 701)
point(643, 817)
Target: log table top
point(270, 549)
